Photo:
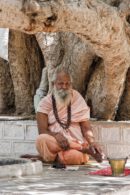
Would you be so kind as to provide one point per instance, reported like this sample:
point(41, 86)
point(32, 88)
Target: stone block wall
point(18, 137)
point(114, 137)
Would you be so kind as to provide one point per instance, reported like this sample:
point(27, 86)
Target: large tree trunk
point(6, 88)
point(102, 27)
point(124, 107)
point(26, 63)
point(66, 49)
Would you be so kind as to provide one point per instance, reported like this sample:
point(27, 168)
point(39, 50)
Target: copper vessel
point(117, 166)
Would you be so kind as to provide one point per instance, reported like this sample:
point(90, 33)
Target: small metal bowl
point(117, 166)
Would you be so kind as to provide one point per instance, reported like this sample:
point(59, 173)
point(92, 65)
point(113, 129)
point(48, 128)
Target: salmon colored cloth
point(48, 149)
point(79, 112)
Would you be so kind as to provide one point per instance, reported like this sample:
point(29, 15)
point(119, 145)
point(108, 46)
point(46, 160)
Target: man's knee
point(43, 138)
point(73, 157)
point(47, 147)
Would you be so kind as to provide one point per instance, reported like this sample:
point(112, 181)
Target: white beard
point(63, 97)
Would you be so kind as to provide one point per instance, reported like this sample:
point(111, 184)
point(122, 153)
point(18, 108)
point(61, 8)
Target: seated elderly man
point(66, 137)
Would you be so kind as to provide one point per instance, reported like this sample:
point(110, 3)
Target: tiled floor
point(72, 181)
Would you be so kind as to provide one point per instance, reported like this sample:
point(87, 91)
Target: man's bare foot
point(58, 164)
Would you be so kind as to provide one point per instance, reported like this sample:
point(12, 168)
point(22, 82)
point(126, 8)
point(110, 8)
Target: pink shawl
point(79, 112)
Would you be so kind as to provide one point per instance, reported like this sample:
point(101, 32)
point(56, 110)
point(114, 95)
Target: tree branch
point(97, 23)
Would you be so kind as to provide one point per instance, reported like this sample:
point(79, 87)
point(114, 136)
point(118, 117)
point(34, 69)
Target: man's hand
point(62, 141)
point(95, 151)
point(75, 145)
point(96, 147)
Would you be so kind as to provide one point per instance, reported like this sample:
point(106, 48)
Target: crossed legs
point(48, 149)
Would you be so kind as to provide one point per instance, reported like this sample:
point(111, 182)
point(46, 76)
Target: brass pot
point(117, 166)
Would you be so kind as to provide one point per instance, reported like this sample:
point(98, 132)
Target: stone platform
point(72, 181)
point(18, 135)
point(16, 167)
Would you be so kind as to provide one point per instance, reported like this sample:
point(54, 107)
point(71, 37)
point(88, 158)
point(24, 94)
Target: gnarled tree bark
point(66, 49)
point(102, 27)
point(6, 88)
point(26, 63)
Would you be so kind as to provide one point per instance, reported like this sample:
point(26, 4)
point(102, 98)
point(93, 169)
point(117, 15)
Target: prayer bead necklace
point(63, 125)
